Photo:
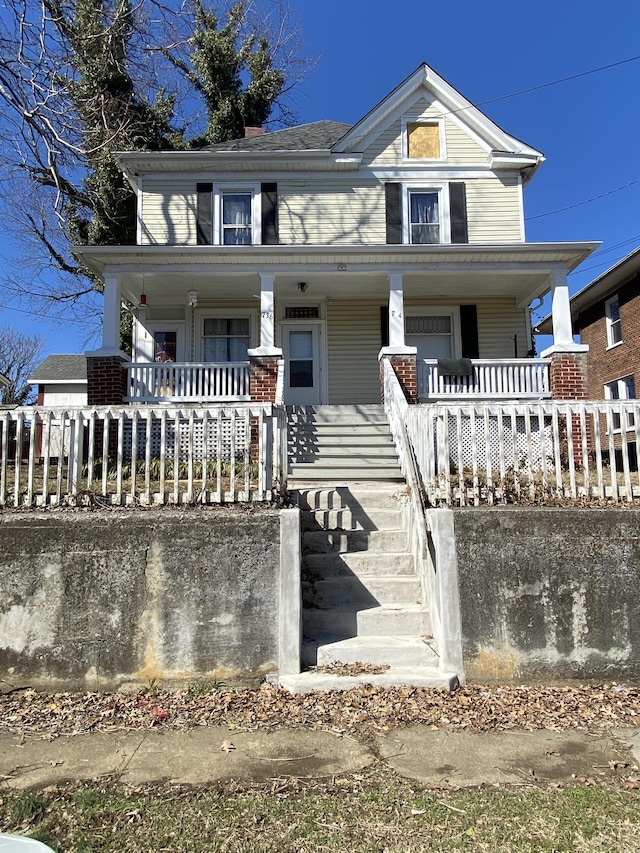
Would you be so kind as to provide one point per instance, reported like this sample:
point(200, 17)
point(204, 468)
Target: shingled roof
point(60, 368)
point(319, 135)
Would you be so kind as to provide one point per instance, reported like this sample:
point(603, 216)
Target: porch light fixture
point(192, 297)
point(302, 286)
point(143, 301)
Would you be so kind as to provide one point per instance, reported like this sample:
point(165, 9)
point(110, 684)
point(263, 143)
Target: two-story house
point(282, 266)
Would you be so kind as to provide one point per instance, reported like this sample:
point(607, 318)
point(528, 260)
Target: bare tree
point(20, 354)
point(83, 79)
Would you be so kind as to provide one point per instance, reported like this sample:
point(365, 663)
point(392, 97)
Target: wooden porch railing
point(492, 379)
point(187, 383)
point(142, 455)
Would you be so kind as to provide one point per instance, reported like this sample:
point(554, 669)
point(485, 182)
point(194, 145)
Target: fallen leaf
point(227, 746)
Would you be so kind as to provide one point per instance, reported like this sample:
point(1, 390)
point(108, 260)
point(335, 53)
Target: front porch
point(309, 325)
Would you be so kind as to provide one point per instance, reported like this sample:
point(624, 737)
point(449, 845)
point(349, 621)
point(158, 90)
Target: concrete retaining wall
point(549, 592)
point(94, 598)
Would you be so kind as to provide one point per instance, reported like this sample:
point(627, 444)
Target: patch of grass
point(365, 813)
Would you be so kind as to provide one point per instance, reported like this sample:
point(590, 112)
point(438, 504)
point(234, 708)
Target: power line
point(560, 80)
point(586, 201)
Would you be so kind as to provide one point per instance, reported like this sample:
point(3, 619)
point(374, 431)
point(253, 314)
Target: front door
point(303, 372)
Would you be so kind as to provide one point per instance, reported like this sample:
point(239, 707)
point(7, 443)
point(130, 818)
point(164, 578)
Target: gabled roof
point(600, 288)
point(319, 135)
point(425, 81)
point(58, 369)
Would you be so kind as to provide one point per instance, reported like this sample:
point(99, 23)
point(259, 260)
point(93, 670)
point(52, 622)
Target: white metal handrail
point(491, 379)
point(189, 382)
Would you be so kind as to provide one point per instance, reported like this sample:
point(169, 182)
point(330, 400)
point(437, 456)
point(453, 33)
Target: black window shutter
point(469, 331)
point(384, 325)
point(458, 213)
point(204, 214)
point(393, 205)
point(269, 193)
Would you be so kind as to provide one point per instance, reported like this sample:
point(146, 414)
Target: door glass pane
point(165, 346)
point(301, 359)
point(432, 335)
point(300, 344)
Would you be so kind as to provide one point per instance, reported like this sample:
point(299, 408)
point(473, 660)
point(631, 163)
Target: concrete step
point(373, 413)
point(355, 518)
point(394, 651)
point(345, 457)
point(362, 564)
point(395, 677)
point(346, 432)
point(345, 472)
point(357, 541)
point(366, 494)
point(343, 622)
point(351, 591)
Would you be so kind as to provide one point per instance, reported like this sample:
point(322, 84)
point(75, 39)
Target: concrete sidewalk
point(207, 755)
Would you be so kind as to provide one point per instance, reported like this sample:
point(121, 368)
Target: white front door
point(303, 370)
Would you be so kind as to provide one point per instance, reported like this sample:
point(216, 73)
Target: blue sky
point(588, 128)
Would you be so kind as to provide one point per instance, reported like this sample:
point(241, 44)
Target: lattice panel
point(205, 441)
point(518, 449)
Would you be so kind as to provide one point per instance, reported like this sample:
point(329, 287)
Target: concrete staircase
point(362, 597)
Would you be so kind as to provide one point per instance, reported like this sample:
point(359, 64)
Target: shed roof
point(57, 369)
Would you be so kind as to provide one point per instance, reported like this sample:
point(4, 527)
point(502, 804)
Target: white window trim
point(443, 205)
point(256, 209)
point(609, 321)
point(621, 382)
point(407, 120)
point(226, 314)
point(439, 311)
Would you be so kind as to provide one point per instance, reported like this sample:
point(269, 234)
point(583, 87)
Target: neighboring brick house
point(283, 266)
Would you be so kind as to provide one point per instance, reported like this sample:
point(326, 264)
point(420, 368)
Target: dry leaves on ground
point(589, 708)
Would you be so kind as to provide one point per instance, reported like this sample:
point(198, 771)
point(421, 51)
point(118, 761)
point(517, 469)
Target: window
point(621, 389)
point(235, 217)
point(614, 327)
point(434, 334)
point(226, 339)
point(426, 218)
point(423, 139)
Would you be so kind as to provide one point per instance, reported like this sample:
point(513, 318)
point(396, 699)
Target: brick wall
point(263, 378)
point(106, 381)
point(605, 365)
point(406, 369)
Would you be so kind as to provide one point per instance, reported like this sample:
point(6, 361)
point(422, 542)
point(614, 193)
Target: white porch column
point(396, 310)
point(111, 318)
point(561, 318)
point(267, 318)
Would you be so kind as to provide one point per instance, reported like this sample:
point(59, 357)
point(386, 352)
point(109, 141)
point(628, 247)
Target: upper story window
point(614, 326)
point(237, 214)
point(426, 215)
point(236, 219)
point(423, 139)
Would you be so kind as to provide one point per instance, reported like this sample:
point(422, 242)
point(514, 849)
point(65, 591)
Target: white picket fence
point(142, 455)
point(471, 453)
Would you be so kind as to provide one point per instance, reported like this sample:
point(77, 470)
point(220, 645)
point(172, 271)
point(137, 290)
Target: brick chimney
point(250, 132)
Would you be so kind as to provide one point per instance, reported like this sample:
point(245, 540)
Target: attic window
point(423, 140)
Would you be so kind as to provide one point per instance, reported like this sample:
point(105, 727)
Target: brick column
point(106, 380)
point(568, 379)
point(405, 367)
point(263, 378)
point(568, 375)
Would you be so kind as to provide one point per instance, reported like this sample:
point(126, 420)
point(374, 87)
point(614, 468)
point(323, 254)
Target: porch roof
point(521, 271)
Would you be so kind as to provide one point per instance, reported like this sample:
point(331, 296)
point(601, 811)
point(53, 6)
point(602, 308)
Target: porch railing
point(511, 452)
point(491, 379)
point(151, 455)
point(189, 382)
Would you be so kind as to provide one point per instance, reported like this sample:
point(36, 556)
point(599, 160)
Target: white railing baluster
point(187, 383)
